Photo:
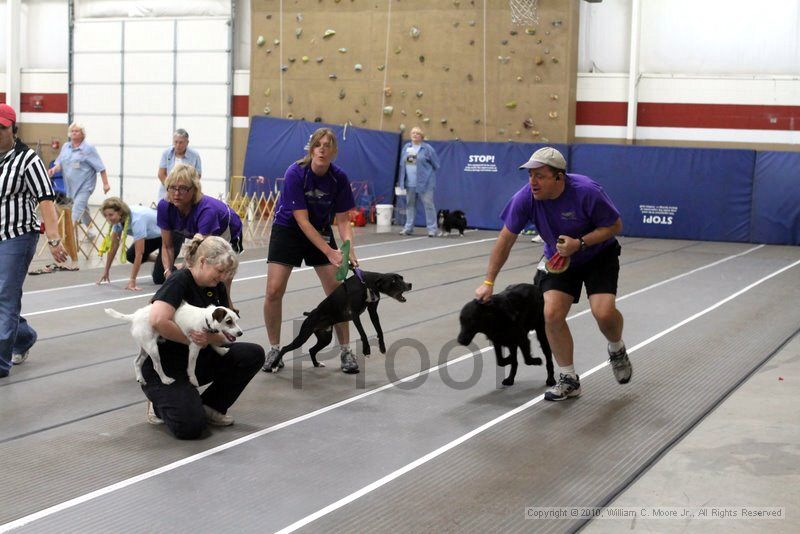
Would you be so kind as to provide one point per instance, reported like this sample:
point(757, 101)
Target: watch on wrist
point(583, 244)
point(54, 242)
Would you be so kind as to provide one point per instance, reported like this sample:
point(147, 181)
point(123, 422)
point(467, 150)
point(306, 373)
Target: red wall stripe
point(740, 117)
point(240, 106)
point(726, 116)
point(602, 113)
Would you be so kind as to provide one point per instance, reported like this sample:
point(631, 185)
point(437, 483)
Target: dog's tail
point(117, 315)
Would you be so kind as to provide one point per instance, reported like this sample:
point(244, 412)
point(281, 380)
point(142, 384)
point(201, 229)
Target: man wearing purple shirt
point(575, 218)
point(315, 194)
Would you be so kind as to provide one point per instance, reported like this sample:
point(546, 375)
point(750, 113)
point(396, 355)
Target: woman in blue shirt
point(80, 163)
point(140, 223)
point(418, 166)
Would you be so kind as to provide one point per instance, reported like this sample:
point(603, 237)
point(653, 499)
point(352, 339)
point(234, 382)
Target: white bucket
point(383, 215)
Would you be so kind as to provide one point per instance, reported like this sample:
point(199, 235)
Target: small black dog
point(452, 220)
point(346, 303)
point(506, 320)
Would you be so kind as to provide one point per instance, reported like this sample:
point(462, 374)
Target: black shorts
point(290, 246)
point(600, 275)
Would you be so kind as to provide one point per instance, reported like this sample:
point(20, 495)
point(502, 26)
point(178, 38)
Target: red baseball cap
point(7, 115)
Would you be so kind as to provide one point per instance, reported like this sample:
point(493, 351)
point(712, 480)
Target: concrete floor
point(743, 454)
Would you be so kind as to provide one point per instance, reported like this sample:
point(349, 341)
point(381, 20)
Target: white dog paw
point(193, 381)
point(167, 381)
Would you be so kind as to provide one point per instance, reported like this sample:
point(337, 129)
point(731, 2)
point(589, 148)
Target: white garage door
point(134, 82)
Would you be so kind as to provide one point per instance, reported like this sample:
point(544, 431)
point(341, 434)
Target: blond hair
point(315, 141)
point(216, 251)
point(78, 126)
point(187, 174)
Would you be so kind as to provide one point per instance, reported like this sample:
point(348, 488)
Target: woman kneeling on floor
point(140, 223)
point(209, 261)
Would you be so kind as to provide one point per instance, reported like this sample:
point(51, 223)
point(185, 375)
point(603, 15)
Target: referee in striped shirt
point(23, 184)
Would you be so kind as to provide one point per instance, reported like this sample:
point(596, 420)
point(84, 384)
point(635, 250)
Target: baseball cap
point(545, 156)
point(7, 115)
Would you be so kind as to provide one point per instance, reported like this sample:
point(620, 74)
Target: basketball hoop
point(523, 12)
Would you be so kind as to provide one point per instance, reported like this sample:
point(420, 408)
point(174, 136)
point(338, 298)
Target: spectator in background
point(179, 152)
point(140, 223)
point(418, 166)
point(188, 212)
point(79, 163)
point(24, 183)
point(315, 194)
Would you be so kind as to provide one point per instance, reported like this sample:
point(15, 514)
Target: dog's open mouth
point(399, 297)
point(229, 337)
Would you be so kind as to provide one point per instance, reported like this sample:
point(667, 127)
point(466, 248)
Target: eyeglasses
point(180, 188)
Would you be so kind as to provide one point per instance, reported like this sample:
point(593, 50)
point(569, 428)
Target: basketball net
point(523, 12)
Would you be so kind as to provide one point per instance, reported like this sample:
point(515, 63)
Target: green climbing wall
point(457, 68)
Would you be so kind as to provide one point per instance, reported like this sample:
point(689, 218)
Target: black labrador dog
point(346, 303)
point(452, 220)
point(506, 319)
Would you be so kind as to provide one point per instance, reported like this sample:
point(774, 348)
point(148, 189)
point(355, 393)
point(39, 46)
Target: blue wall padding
point(365, 155)
point(661, 192)
point(776, 198)
point(479, 178)
point(678, 193)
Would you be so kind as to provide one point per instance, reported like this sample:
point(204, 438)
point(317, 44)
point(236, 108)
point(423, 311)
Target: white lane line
point(257, 260)
point(264, 275)
point(494, 422)
point(244, 439)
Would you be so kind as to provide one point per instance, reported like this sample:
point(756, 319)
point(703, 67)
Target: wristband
point(488, 282)
point(583, 244)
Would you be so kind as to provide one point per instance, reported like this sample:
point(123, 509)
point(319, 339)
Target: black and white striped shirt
point(23, 184)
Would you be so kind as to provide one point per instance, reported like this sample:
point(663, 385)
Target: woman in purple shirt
point(189, 212)
point(315, 194)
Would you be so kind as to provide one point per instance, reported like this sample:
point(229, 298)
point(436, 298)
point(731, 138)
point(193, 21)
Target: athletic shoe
point(270, 365)
point(621, 365)
point(152, 418)
point(213, 417)
point(567, 388)
point(17, 359)
point(537, 239)
point(349, 363)
point(405, 232)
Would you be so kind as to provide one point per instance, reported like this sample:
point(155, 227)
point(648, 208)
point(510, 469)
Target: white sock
point(616, 347)
point(275, 347)
point(344, 348)
point(568, 370)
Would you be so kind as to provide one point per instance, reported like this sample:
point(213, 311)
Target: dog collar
point(372, 296)
point(209, 329)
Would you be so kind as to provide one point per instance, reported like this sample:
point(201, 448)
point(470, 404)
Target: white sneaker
point(217, 418)
point(90, 235)
point(152, 418)
point(17, 359)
